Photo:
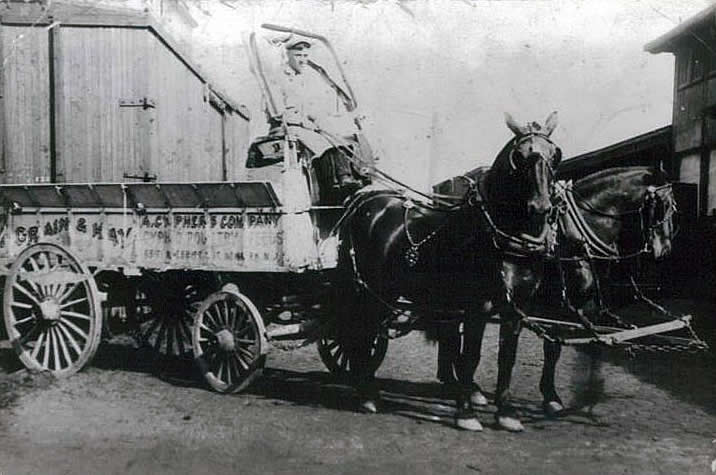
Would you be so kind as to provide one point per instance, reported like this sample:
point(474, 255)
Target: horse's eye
point(557, 157)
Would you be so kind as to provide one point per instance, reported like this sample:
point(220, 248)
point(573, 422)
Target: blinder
point(552, 161)
point(658, 208)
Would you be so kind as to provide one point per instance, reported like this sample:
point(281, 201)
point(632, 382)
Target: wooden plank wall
point(688, 117)
point(184, 137)
point(26, 104)
point(189, 128)
point(97, 140)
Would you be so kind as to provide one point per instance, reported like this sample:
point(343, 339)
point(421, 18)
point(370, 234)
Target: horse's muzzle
point(539, 207)
point(536, 241)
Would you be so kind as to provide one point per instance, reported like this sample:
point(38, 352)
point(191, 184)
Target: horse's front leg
point(357, 329)
point(448, 353)
point(469, 394)
point(509, 336)
point(552, 404)
point(363, 374)
point(473, 335)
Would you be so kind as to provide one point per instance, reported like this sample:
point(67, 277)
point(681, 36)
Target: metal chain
point(640, 295)
point(396, 313)
point(409, 204)
point(693, 348)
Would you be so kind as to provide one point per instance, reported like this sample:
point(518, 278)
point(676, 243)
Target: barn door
point(105, 116)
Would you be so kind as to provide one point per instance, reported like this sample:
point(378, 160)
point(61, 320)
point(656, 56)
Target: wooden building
point(693, 44)
point(97, 95)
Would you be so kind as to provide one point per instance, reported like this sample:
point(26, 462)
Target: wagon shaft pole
point(646, 331)
point(626, 335)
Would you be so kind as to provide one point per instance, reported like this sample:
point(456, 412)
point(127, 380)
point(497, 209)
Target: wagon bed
point(219, 226)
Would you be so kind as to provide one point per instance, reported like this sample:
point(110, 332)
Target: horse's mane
point(504, 153)
point(609, 177)
point(494, 171)
point(504, 150)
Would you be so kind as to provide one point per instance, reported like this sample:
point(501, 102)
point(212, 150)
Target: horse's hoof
point(478, 399)
point(553, 408)
point(471, 424)
point(510, 424)
point(368, 407)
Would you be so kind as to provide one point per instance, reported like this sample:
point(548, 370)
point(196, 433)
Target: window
point(683, 61)
point(697, 64)
point(690, 65)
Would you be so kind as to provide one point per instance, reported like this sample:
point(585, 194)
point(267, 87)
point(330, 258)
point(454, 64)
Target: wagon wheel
point(164, 307)
point(228, 341)
point(336, 359)
point(52, 310)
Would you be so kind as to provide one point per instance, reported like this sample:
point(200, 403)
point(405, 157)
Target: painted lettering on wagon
point(31, 234)
point(201, 221)
point(194, 255)
point(97, 230)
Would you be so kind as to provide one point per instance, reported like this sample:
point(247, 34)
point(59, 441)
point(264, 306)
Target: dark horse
point(486, 252)
point(611, 215)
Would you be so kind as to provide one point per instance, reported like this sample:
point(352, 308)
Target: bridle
point(594, 246)
point(508, 243)
point(648, 211)
point(518, 141)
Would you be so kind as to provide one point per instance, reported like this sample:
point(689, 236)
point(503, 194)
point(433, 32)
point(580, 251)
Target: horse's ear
point(512, 124)
point(550, 124)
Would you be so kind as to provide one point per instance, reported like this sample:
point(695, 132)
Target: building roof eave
point(660, 137)
point(667, 42)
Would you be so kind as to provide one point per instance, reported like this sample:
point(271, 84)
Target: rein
point(370, 169)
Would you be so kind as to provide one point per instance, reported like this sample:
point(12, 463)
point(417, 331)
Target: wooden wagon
point(174, 259)
point(69, 250)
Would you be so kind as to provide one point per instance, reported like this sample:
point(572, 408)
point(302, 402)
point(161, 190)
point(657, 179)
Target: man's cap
point(294, 41)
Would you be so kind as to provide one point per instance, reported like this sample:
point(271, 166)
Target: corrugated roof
point(662, 134)
point(626, 148)
point(667, 41)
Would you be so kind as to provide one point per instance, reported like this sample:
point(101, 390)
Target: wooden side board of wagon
point(158, 250)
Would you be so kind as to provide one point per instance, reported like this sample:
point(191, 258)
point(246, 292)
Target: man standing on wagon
point(323, 119)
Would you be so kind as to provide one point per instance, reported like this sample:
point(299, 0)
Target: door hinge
point(146, 177)
point(144, 103)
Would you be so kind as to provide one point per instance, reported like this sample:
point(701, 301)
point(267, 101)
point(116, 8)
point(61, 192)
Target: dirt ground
point(651, 414)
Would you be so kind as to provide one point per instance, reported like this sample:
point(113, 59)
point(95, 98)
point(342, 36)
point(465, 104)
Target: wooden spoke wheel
point(52, 310)
point(164, 308)
point(337, 361)
point(228, 341)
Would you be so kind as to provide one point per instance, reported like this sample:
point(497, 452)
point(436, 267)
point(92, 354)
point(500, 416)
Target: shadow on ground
point(687, 376)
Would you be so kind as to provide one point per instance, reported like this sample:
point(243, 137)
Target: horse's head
point(658, 217)
point(523, 174)
point(632, 209)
